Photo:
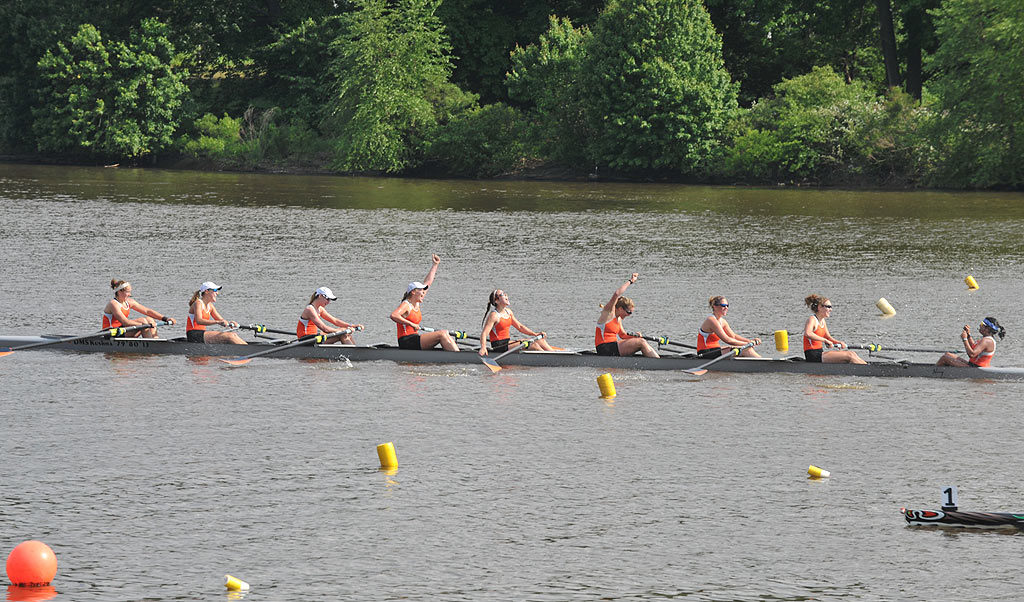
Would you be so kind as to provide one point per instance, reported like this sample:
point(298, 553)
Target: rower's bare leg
point(841, 357)
point(216, 336)
point(540, 345)
point(344, 339)
point(429, 340)
point(632, 345)
point(749, 352)
point(952, 359)
point(150, 333)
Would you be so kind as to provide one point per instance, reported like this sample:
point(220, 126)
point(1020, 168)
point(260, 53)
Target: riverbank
point(536, 170)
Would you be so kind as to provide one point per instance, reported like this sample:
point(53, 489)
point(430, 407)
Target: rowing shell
point(951, 518)
point(555, 359)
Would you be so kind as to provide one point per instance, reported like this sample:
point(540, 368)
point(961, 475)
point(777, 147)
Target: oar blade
point(235, 361)
point(6, 351)
point(491, 364)
point(696, 372)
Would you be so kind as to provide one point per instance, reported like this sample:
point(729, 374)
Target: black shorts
point(813, 355)
point(500, 346)
point(195, 336)
point(409, 341)
point(710, 353)
point(608, 348)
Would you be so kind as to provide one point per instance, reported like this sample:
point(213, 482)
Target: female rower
point(498, 323)
point(202, 313)
point(715, 330)
point(407, 316)
point(609, 326)
point(816, 334)
point(115, 312)
point(980, 352)
point(314, 319)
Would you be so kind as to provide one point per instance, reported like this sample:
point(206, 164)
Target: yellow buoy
point(971, 283)
point(884, 307)
point(387, 455)
point(818, 473)
point(781, 341)
point(607, 386)
point(235, 584)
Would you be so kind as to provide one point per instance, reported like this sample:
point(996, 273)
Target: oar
point(873, 347)
point(109, 332)
point(663, 340)
point(319, 338)
point(702, 369)
point(493, 363)
point(462, 334)
point(258, 328)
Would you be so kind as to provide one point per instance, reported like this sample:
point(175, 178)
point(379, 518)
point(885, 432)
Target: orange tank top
point(609, 334)
point(502, 328)
point(707, 340)
point(982, 360)
point(190, 322)
point(812, 343)
point(306, 327)
point(109, 321)
point(413, 316)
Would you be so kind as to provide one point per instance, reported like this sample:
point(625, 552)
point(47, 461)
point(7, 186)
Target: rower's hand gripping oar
point(873, 347)
point(107, 333)
point(319, 338)
point(261, 328)
point(662, 340)
point(492, 363)
point(703, 368)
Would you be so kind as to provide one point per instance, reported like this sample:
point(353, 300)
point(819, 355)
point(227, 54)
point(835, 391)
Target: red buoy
point(31, 563)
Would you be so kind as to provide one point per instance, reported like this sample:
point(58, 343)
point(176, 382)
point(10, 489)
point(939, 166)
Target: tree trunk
point(888, 34)
point(913, 22)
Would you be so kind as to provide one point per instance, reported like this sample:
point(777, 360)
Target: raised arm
point(435, 259)
point(609, 308)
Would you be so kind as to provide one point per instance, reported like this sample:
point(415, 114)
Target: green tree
point(658, 94)
point(118, 102)
point(546, 77)
point(819, 128)
point(978, 79)
point(391, 67)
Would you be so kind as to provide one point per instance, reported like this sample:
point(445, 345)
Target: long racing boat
point(384, 352)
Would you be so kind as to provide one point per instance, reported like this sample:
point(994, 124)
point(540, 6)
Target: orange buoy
point(31, 563)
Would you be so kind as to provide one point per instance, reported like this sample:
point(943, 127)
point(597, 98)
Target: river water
point(151, 477)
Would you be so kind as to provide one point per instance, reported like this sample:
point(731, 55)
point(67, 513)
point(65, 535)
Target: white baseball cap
point(415, 285)
point(208, 286)
point(326, 293)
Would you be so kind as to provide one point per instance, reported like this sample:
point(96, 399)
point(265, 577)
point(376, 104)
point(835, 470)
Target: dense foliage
point(851, 92)
point(117, 99)
point(658, 95)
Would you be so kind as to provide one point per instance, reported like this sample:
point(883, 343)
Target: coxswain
point(408, 317)
point(715, 330)
point(315, 319)
point(202, 313)
point(498, 322)
point(115, 312)
point(609, 330)
point(979, 352)
point(816, 335)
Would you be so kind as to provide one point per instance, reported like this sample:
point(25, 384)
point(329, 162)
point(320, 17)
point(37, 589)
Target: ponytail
point(813, 301)
point(715, 299)
point(195, 296)
point(993, 325)
point(115, 283)
point(312, 299)
point(490, 301)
